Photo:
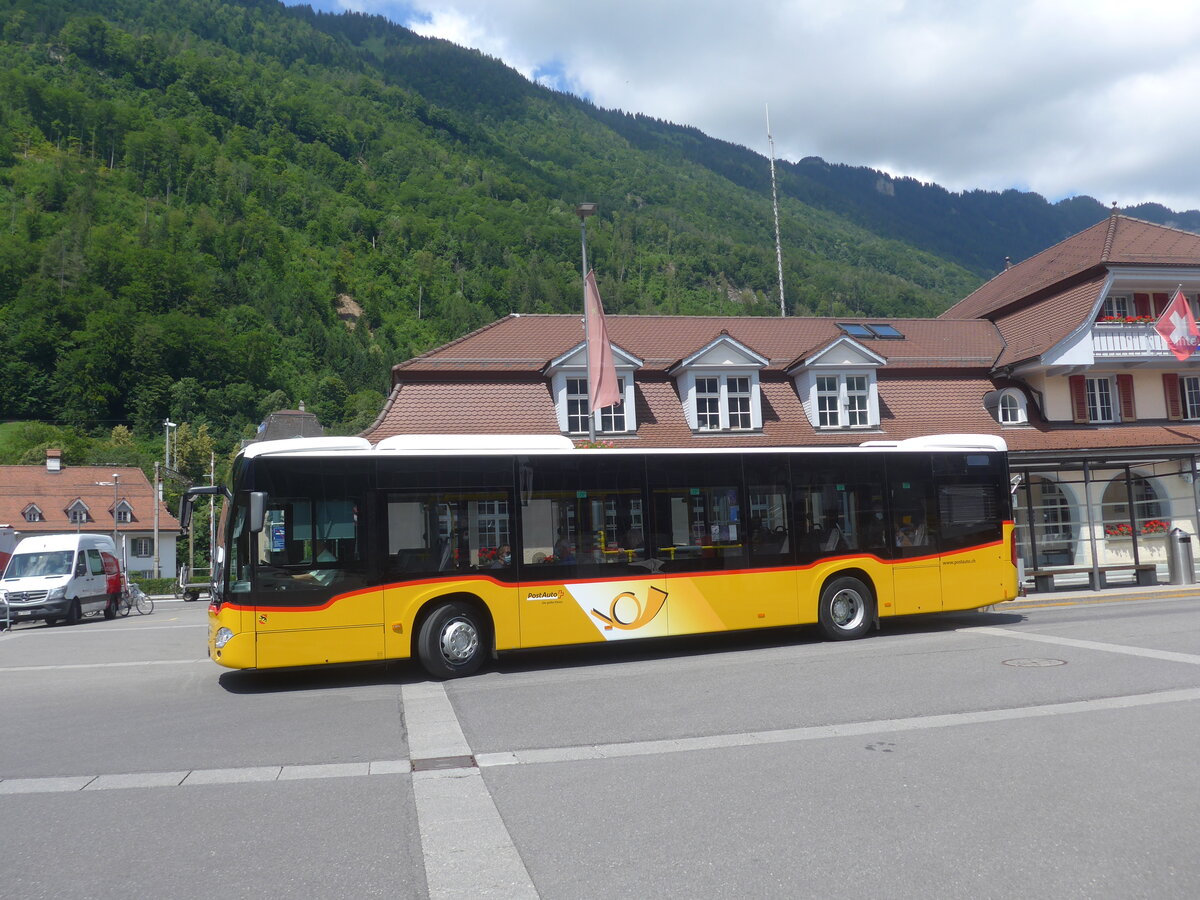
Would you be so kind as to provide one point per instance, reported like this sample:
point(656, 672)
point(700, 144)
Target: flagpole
point(583, 210)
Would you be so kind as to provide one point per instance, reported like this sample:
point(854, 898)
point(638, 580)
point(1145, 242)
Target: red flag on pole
point(1178, 328)
point(602, 374)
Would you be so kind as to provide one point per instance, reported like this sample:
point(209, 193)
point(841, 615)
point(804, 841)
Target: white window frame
point(612, 418)
point(578, 405)
point(573, 390)
point(857, 400)
point(33, 513)
point(1189, 391)
point(1013, 408)
point(78, 513)
point(829, 401)
point(1100, 390)
point(708, 403)
point(723, 402)
point(844, 400)
point(1117, 306)
point(123, 513)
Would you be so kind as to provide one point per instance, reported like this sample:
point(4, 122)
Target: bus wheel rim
point(846, 609)
point(460, 640)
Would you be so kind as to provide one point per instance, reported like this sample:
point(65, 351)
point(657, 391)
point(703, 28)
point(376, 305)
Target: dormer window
point(719, 387)
point(78, 513)
point(837, 385)
point(569, 385)
point(32, 513)
point(124, 513)
point(1012, 409)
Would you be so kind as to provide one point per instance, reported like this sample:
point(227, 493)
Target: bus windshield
point(31, 565)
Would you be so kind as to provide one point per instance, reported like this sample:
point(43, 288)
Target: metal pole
point(775, 207)
point(1087, 513)
point(116, 500)
point(1133, 517)
point(157, 504)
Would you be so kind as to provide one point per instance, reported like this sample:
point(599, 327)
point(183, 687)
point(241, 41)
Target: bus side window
point(448, 532)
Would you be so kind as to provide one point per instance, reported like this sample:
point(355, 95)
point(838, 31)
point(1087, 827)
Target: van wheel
point(51, 621)
point(845, 609)
point(74, 614)
point(452, 641)
point(110, 608)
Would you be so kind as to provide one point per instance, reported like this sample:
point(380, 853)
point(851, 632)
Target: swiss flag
point(1178, 328)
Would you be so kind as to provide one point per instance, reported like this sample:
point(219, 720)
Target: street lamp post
point(115, 484)
point(583, 210)
point(167, 426)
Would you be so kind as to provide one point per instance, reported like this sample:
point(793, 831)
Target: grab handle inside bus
point(258, 510)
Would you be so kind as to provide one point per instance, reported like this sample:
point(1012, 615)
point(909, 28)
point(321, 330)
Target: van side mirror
point(258, 510)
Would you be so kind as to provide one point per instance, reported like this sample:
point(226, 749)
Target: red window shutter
point(1125, 394)
point(1171, 392)
point(1078, 397)
point(1141, 304)
point(1160, 303)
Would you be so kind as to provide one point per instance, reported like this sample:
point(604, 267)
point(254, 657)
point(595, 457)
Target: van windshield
point(28, 565)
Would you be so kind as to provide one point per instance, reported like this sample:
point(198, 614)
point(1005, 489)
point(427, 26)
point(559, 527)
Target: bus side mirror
point(185, 512)
point(258, 510)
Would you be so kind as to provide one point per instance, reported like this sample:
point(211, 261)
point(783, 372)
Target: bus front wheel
point(452, 641)
point(845, 610)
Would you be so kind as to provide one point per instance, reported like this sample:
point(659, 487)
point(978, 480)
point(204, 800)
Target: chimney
point(53, 460)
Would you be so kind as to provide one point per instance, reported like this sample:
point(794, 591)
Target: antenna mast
point(775, 207)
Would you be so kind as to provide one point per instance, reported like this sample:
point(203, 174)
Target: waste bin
point(1180, 567)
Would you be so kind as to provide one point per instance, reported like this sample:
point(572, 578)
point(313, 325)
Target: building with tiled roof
point(1057, 354)
point(57, 499)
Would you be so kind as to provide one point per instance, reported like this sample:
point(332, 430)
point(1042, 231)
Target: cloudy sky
point(1062, 97)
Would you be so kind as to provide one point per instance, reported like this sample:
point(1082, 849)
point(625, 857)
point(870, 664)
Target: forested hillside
point(210, 210)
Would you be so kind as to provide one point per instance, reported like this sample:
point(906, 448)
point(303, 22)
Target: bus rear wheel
point(452, 641)
point(845, 610)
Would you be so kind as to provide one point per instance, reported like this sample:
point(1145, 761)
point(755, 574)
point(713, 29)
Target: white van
point(60, 577)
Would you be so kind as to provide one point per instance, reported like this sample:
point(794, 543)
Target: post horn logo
point(628, 613)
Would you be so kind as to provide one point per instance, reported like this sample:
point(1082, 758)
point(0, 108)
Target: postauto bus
point(450, 548)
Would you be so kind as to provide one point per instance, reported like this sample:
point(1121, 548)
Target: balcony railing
point(1111, 339)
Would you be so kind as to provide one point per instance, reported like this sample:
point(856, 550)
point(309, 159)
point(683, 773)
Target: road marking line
point(111, 665)
point(1168, 655)
point(240, 775)
point(820, 732)
point(466, 846)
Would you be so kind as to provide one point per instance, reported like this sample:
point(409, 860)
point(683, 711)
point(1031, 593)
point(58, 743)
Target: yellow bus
point(450, 549)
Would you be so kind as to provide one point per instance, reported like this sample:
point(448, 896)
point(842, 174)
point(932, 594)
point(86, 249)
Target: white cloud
point(1057, 96)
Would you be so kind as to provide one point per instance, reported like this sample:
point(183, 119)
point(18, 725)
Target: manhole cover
point(1034, 662)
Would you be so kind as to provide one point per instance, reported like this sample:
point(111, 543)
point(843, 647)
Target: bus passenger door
point(310, 601)
point(917, 574)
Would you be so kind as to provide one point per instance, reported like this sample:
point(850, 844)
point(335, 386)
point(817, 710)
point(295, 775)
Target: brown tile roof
point(527, 342)
point(1118, 240)
point(912, 404)
point(526, 407)
point(1032, 330)
point(53, 492)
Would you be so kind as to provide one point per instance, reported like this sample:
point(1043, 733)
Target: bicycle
point(134, 597)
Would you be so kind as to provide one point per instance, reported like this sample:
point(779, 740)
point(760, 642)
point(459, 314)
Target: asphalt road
point(1049, 750)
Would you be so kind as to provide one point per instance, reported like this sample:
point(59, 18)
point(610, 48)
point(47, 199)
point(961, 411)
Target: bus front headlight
point(223, 637)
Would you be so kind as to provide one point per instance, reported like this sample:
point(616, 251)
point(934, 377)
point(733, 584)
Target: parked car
point(61, 577)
